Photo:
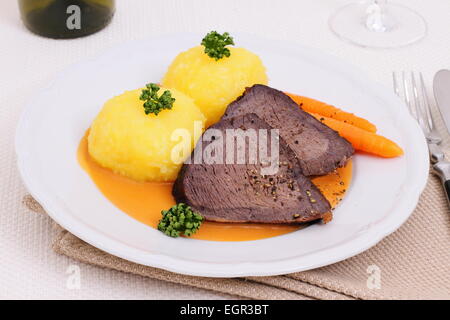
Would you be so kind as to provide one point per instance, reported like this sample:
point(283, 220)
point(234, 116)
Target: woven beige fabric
point(68, 244)
point(413, 263)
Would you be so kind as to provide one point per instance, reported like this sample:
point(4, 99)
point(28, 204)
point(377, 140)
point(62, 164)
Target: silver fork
point(416, 99)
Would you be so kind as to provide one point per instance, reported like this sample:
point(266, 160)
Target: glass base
point(401, 26)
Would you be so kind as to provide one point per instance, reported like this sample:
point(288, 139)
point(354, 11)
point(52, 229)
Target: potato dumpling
point(214, 84)
point(129, 142)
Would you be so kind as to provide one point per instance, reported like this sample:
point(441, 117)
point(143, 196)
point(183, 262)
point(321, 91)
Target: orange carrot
point(314, 106)
point(361, 139)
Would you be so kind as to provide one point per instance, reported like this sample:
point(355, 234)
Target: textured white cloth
point(28, 266)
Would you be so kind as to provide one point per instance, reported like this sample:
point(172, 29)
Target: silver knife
point(441, 88)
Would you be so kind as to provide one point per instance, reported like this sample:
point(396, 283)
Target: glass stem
point(376, 19)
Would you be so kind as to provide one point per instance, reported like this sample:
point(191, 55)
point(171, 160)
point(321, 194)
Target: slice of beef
point(319, 149)
point(240, 192)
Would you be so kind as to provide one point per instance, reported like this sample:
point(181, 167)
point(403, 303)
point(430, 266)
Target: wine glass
point(378, 24)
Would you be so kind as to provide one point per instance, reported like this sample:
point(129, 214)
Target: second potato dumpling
point(213, 84)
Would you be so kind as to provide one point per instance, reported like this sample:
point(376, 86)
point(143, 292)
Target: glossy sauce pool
point(144, 201)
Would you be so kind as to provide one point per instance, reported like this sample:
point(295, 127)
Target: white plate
point(381, 197)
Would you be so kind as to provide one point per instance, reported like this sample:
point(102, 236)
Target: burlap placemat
point(412, 263)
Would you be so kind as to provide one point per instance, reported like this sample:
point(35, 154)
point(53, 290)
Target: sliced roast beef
point(319, 149)
point(250, 190)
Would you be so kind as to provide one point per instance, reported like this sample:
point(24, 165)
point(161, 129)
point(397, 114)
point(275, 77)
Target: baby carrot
point(315, 106)
point(361, 139)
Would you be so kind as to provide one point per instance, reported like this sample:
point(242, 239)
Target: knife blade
point(441, 89)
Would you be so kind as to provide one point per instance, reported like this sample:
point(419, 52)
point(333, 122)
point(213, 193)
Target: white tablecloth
point(28, 266)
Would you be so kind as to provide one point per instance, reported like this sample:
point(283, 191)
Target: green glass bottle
point(63, 19)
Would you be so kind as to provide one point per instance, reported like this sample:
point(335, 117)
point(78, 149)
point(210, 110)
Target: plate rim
point(179, 265)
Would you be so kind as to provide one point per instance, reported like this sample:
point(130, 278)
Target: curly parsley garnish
point(215, 43)
point(153, 103)
point(180, 220)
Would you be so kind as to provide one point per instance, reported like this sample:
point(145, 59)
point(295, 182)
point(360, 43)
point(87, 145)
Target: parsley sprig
point(153, 103)
point(180, 220)
point(215, 43)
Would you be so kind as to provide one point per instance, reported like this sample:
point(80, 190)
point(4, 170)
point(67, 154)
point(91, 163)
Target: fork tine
point(417, 104)
point(426, 104)
point(395, 84)
point(407, 98)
